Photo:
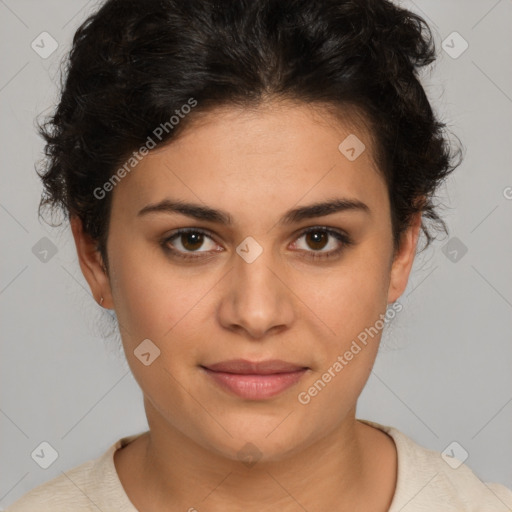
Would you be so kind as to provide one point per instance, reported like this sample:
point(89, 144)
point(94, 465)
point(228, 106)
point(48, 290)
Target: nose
point(257, 298)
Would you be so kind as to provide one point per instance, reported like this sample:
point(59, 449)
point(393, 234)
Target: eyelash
point(314, 255)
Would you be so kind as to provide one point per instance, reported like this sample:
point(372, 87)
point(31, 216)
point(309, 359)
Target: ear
point(91, 264)
point(404, 259)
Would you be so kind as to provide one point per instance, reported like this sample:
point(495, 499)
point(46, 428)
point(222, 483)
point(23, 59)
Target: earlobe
point(404, 259)
point(91, 264)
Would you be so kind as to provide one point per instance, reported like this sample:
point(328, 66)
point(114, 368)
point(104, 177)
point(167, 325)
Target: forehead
point(288, 151)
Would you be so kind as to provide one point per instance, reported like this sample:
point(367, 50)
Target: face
point(267, 285)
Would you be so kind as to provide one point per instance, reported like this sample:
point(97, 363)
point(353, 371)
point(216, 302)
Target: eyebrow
point(296, 215)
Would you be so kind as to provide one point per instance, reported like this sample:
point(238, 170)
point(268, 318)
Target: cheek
point(154, 304)
point(353, 305)
point(155, 299)
point(351, 297)
point(147, 302)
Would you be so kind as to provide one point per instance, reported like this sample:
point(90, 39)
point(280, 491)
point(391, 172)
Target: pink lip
point(255, 380)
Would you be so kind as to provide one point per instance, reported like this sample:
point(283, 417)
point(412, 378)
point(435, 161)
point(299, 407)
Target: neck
point(334, 472)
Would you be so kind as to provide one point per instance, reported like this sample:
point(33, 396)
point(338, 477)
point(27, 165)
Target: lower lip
point(256, 387)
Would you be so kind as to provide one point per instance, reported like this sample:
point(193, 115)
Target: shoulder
point(91, 486)
point(429, 480)
point(60, 492)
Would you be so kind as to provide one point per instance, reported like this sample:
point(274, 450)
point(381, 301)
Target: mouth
point(255, 380)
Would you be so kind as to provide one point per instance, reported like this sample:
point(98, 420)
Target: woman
point(246, 182)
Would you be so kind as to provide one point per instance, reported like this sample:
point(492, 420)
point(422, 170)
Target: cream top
point(425, 481)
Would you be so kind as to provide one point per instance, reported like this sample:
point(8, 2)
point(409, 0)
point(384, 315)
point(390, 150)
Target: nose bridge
point(254, 277)
point(257, 300)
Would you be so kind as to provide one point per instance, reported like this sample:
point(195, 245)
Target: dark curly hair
point(133, 64)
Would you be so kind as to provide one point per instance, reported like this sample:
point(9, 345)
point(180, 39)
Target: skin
point(256, 165)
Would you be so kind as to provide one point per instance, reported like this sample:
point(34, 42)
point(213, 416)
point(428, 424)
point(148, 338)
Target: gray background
point(444, 370)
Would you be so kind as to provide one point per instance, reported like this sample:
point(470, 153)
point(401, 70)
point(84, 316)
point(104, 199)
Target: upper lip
point(245, 367)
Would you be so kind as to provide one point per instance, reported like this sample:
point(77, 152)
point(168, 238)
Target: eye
point(184, 242)
point(317, 238)
point(190, 240)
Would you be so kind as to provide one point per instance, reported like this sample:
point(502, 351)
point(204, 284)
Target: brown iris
point(193, 241)
point(317, 237)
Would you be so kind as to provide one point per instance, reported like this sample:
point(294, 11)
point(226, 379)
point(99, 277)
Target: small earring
point(101, 301)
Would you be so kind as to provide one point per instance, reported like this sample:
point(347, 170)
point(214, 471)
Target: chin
point(261, 440)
